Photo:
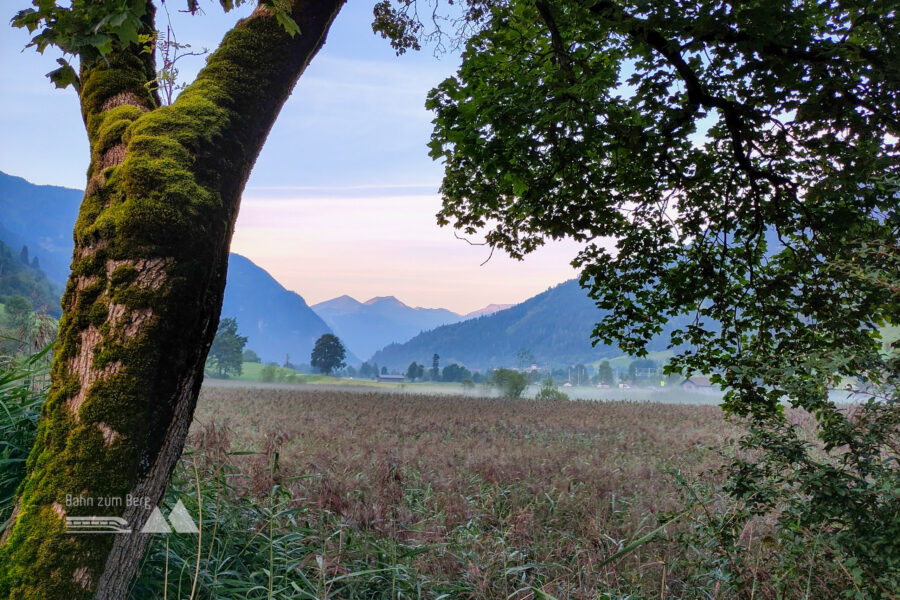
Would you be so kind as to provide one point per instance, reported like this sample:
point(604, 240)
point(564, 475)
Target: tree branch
point(559, 48)
point(733, 112)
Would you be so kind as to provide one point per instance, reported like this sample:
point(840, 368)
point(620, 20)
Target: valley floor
point(388, 495)
point(304, 383)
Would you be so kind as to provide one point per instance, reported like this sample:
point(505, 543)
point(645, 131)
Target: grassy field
point(388, 495)
point(252, 372)
point(252, 375)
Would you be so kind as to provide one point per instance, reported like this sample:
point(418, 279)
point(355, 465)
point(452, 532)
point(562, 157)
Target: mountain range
point(366, 327)
point(276, 321)
point(41, 217)
point(554, 326)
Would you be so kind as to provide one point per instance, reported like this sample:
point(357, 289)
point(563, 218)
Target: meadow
point(317, 493)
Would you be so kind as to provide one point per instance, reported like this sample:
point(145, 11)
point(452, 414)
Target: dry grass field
point(465, 497)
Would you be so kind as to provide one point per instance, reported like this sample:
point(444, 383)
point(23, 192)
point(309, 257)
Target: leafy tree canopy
point(734, 162)
point(251, 356)
point(605, 373)
point(415, 371)
point(92, 29)
point(737, 162)
point(328, 354)
point(455, 372)
point(226, 354)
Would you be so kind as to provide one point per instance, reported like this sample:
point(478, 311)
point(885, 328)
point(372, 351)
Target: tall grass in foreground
point(23, 385)
point(318, 495)
point(381, 495)
point(266, 544)
point(394, 496)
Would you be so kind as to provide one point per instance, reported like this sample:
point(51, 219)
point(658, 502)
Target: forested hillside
point(21, 275)
point(554, 327)
point(41, 217)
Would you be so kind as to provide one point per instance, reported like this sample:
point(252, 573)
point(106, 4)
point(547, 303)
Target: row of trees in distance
point(328, 357)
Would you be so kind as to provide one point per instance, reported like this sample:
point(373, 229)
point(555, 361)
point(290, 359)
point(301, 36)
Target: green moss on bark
point(147, 281)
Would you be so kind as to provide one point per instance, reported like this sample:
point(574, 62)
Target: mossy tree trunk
point(142, 303)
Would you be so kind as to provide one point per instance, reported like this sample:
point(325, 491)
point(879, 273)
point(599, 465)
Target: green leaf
point(286, 21)
point(64, 76)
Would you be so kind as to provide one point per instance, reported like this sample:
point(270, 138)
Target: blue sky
point(343, 196)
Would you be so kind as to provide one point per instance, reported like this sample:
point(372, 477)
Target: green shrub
point(269, 373)
point(511, 383)
point(797, 519)
point(550, 392)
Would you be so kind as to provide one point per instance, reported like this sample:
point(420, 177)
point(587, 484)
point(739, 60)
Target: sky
point(342, 199)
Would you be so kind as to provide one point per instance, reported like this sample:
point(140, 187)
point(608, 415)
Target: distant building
point(695, 382)
point(392, 378)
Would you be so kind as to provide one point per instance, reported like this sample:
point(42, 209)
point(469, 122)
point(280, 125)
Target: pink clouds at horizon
point(323, 246)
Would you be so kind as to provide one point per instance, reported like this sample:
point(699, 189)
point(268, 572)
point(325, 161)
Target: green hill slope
point(18, 278)
point(554, 326)
point(40, 217)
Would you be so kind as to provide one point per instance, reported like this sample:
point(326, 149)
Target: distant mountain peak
point(343, 303)
point(487, 310)
point(365, 327)
point(386, 300)
point(344, 300)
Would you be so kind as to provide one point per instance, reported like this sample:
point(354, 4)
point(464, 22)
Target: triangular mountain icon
point(156, 523)
point(181, 520)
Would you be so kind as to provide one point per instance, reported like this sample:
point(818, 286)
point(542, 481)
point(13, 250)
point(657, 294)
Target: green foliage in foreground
point(274, 547)
point(23, 383)
point(738, 163)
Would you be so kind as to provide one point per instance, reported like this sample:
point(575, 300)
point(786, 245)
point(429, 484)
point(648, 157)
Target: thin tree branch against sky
point(343, 197)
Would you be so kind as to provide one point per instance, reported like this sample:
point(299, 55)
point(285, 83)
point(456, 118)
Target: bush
point(268, 373)
point(824, 520)
point(550, 392)
point(511, 383)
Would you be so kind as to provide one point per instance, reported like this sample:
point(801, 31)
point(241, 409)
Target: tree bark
point(142, 303)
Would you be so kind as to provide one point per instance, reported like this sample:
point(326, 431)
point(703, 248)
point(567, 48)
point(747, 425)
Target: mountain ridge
point(41, 217)
point(276, 322)
point(365, 327)
point(554, 326)
point(487, 310)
